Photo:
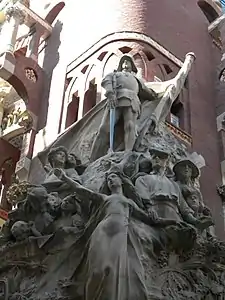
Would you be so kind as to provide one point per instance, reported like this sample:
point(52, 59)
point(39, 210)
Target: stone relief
point(123, 90)
point(131, 224)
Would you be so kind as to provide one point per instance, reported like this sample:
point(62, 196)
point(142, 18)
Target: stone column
point(14, 17)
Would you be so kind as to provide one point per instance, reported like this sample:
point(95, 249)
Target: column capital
point(16, 12)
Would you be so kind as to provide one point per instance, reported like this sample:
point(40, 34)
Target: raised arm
point(82, 191)
point(168, 91)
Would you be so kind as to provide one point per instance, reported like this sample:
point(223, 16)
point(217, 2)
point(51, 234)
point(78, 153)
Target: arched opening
point(67, 82)
point(90, 97)
point(72, 110)
point(102, 55)
point(84, 69)
point(111, 64)
point(140, 64)
point(168, 69)
point(19, 87)
point(149, 55)
point(208, 10)
point(53, 13)
point(176, 116)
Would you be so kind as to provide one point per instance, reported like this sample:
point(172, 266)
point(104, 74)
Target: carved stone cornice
point(182, 135)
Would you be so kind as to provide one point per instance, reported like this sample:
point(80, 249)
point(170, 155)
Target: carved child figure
point(186, 173)
point(71, 220)
point(37, 208)
point(193, 201)
point(55, 204)
point(22, 230)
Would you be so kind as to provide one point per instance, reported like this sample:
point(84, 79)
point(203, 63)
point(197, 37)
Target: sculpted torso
point(127, 89)
point(116, 214)
point(117, 204)
point(160, 193)
point(127, 81)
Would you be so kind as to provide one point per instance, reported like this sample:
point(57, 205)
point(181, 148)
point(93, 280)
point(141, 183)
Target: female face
point(185, 171)
point(113, 181)
point(59, 157)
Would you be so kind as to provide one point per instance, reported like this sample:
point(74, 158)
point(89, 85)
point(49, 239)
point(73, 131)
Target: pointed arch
point(110, 64)
point(209, 9)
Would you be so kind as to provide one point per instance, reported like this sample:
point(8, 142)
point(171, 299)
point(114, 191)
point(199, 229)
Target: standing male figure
point(123, 92)
point(163, 195)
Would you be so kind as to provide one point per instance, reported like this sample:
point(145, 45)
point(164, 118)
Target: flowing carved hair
point(53, 152)
point(129, 190)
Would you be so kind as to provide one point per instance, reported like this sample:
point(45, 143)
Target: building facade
point(58, 52)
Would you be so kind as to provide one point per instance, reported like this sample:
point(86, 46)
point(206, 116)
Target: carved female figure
point(113, 266)
point(71, 220)
point(186, 173)
point(58, 158)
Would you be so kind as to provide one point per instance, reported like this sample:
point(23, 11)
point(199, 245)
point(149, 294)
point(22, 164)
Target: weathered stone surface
point(129, 225)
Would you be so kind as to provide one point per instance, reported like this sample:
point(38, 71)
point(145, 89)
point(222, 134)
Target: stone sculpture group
point(142, 232)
